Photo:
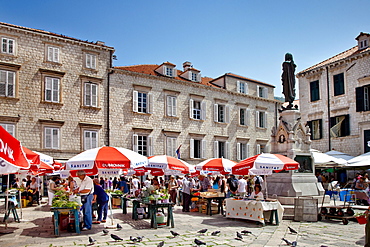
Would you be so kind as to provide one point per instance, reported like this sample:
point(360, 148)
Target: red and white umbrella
point(106, 158)
point(169, 165)
point(264, 164)
point(12, 157)
point(216, 165)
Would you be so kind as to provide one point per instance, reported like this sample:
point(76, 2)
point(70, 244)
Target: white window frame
point(246, 116)
point(171, 146)
point(169, 71)
point(171, 103)
point(53, 54)
point(242, 151)
point(262, 92)
point(221, 113)
point(90, 139)
point(91, 91)
point(90, 62)
point(52, 133)
point(139, 148)
point(260, 148)
point(52, 89)
point(10, 128)
point(7, 83)
point(216, 149)
point(194, 76)
point(194, 112)
point(259, 123)
point(242, 87)
point(7, 46)
point(149, 102)
point(202, 146)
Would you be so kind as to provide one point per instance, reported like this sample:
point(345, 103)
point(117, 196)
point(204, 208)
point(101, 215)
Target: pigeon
point(203, 231)
point(174, 233)
point(198, 242)
point(139, 238)
point(294, 243)
point(287, 241)
point(91, 240)
point(239, 235)
point(105, 232)
point(133, 239)
point(115, 237)
point(160, 244)
point(215, 233)
point(245, 232)
point(292, 230)
point(119, 227)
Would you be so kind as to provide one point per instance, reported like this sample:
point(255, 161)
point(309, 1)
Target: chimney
point(186, 65)
point(100, 42)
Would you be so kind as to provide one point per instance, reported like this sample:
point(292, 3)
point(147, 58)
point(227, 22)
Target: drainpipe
point(108, 96)
point(328, 96)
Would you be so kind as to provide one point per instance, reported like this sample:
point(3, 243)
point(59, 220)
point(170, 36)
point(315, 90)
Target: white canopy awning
point(361, 160)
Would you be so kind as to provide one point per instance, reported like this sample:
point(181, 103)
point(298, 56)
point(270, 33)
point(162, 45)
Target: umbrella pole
point(266, 187)
point(7, 202)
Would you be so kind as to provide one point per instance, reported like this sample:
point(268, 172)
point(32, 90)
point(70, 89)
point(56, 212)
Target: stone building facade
point(164, 108)
point(334, 100)
point(53, 90)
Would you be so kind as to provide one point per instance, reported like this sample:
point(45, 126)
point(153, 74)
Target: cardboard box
point(116, 201)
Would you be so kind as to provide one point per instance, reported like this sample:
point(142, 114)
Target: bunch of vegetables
point(116, 192)
point(61, 200)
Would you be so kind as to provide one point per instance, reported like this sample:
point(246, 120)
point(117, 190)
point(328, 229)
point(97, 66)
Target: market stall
point(254, 210)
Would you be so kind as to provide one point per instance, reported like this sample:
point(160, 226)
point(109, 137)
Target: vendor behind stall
point(86, 190)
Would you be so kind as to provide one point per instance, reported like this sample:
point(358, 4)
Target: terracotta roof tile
point(54, 34)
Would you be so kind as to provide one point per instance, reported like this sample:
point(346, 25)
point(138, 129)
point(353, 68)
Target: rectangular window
point(221, 113)
point(169, 71)
point(197, 110)
point(7, 83)
point(339, 84)
point(261, 119)
point(142, 144)
point(243, 116)
point(91, 94)
point(90, 61)
point(7, 46)
point(242, 150)
point(316, 129)
point(315, 90)
point(241, 87)
point(10, 128)
point(90, 139)
point(197, 149)
point(194, 76)
point(171, 106)
point(171, 146)
point(51, 138)
point(261, 92)
point(260, 148)
point(339, 126)
point(53, 54)
point(142, 102)
point(52, 89)
point(362, 98)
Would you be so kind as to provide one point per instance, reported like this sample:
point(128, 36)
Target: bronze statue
point(288, 79)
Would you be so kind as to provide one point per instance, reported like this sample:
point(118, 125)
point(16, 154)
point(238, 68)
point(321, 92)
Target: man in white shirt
point(242, 186)
point(135, 184)
point(85, 189)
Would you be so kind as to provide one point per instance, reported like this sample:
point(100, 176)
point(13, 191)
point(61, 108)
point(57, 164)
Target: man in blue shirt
point(101, 198)
point(122, 185)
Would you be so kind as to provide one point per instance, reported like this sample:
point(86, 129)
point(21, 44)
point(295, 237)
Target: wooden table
point(220, 201)
point(153, 208)
point(254, 210)
point(57, 211)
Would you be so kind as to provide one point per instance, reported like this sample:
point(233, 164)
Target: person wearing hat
point(101, 198)
point(85, 187)
point(172, 188)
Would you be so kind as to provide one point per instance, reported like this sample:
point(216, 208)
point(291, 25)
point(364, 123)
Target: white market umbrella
point(337, 154)
point(361, 160)
point(170, 165)
point(218, 165)
point(324, 160)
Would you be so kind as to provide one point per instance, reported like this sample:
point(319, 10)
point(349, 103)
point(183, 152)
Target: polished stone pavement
point(36, 229)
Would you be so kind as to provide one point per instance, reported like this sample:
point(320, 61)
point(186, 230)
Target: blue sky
point(244, 37)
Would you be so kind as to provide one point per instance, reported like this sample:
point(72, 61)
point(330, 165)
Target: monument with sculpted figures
point(292, 138)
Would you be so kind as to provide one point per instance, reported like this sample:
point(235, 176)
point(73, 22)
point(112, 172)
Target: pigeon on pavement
point(174, 233)
point(203, 231)
point(294, 244)
point(132, 239)
point(245, 232)
point(116, 238)
point(198, 242)
point(139, 238)
point(292, 230)
point(91, 240)
point(215, 233)
point(239, 235)
point(119, 227)
point(287, 241)
point(105, 232)
point(160, 244)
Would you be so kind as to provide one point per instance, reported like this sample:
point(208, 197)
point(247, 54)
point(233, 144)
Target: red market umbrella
point(169, 165)
point(264, 164)
point(216, 165)
point(12, 156)
point(106, 158)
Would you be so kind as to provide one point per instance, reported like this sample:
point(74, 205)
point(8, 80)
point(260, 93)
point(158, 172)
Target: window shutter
point(169, 106)
point(258, 149)
point(3, 77)
point(174, 106)
point(87, 94)
point(199, 77)
point(360, 99)
point(227, 150)
point(94, 139)
point(258, 91)
point(174, 71)
point(248, 152)
point(150, 103)
point(94, 95)
point(93, 61)
point(257, 119)
point(238, 86)
point(309, 123)
point(88, 61)
point(265, 120)
point(265, 92)
point(320, 128)
point(11, 82)
point(150, 145)
point(191, 148)
point(87, 140)
point(191, 104)
point(238, 153)
point(215, 149)
point(48, 88)
point(227, 114)
point(134, 142)
point(55, 90)
point(48, 137)
point(247, 117)
point(246, 88)
point(203, 110)
point(164, 70)
point(56, 55)
point(346, 126)
point(55, 138)
point(204, 149)
point(50, 53)
point(135, 101)
point(215, 114)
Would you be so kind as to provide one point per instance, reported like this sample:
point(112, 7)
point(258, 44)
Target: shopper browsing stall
point(86, 190)
point(101, 198)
